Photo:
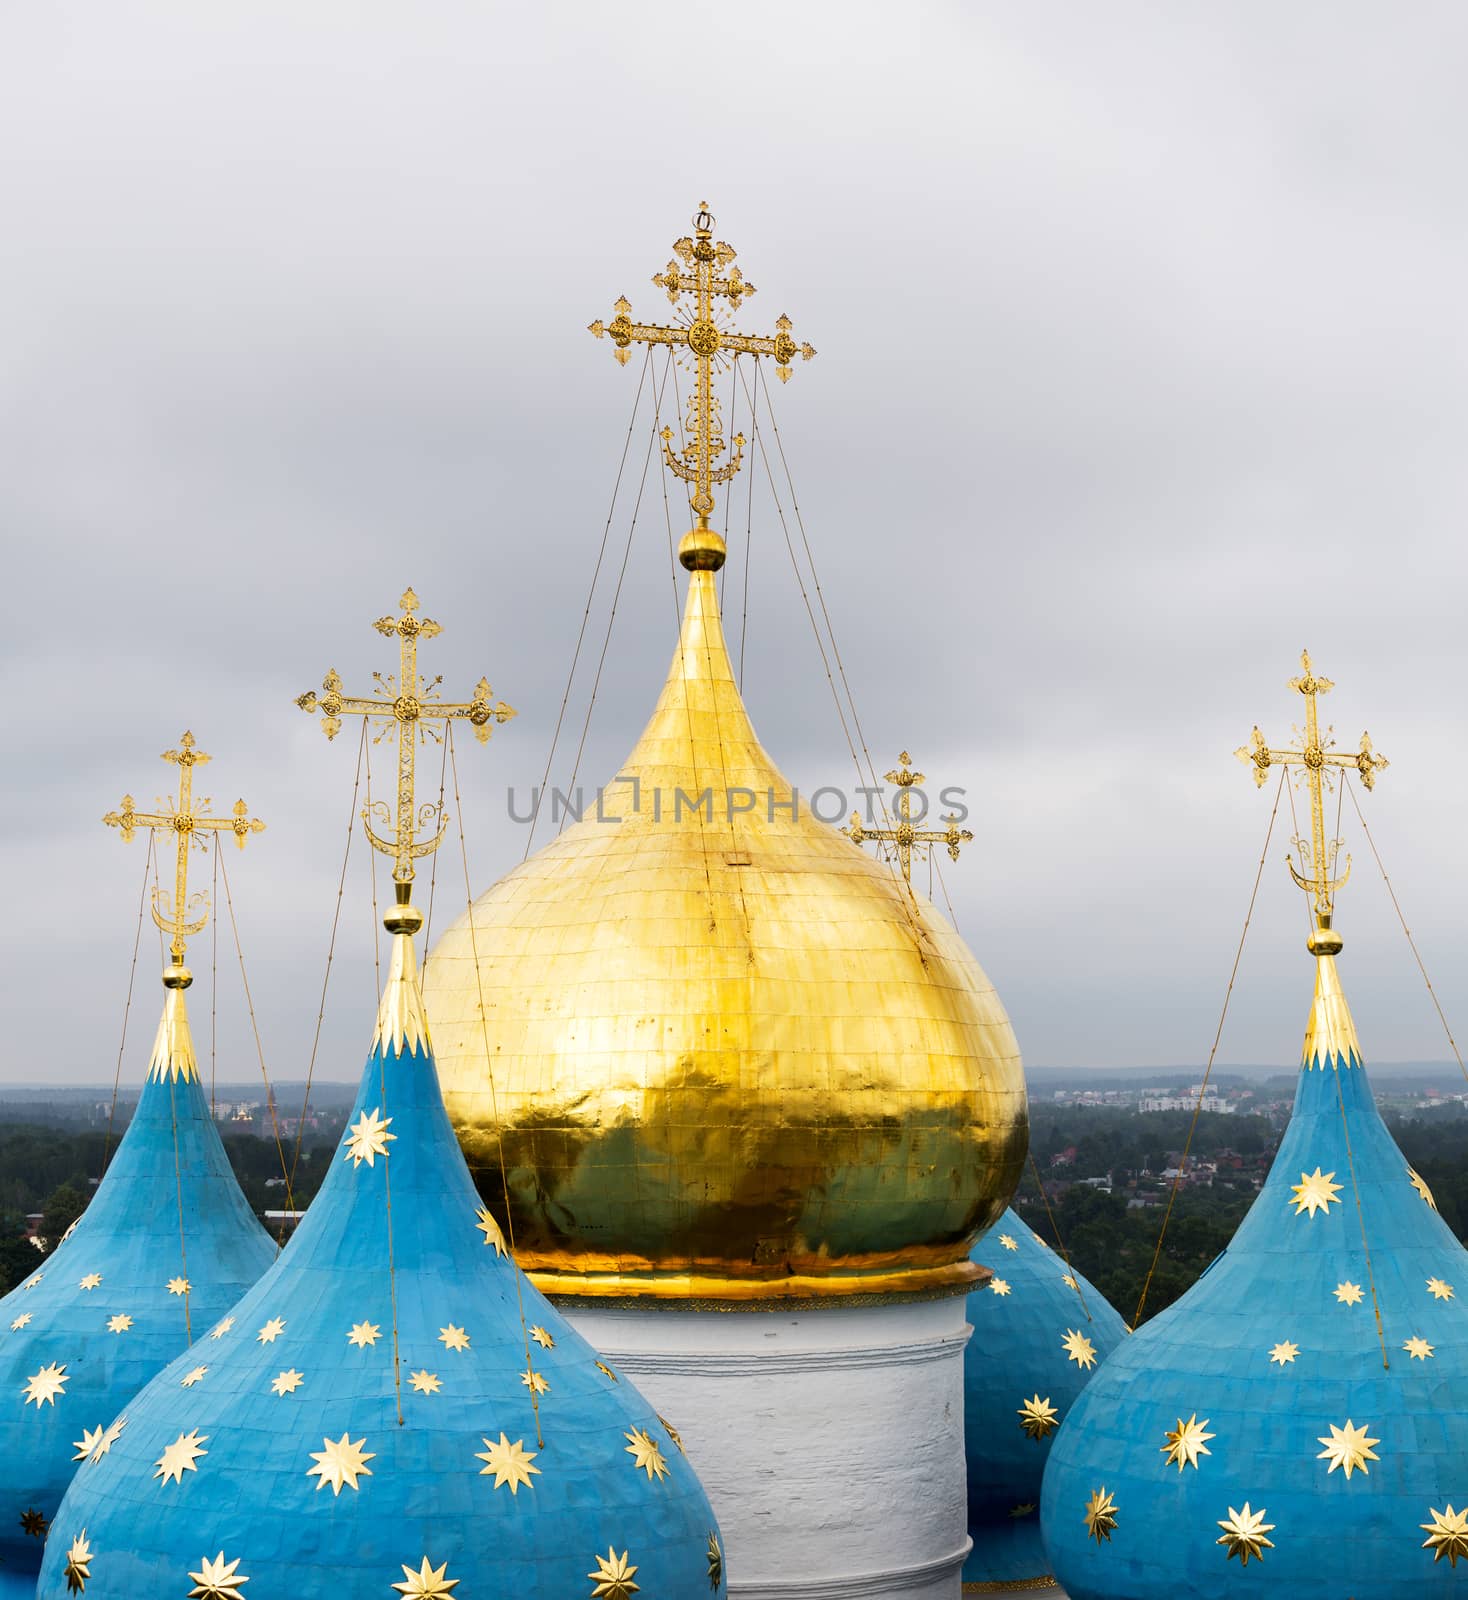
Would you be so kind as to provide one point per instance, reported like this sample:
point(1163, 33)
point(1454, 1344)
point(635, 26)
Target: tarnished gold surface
point(904, 835)
point(733, 1057)
point(1317, 761)
point(702, 270)
point(410, 704)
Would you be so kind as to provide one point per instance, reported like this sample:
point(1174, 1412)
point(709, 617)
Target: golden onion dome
point(729, 1057)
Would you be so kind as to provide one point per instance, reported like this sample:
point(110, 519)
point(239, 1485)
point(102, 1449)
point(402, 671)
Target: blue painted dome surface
point(1039, 1332)
point(1316, 1458)
point(115, 1302)
point(275, 1451)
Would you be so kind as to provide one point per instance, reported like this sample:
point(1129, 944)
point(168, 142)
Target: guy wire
point(1411, 943)
point(617, 592)
point(330, 953)
point(128, 1004)
point(493, 1095)
point(1217, 1036)
point(586, 613)
point(254, 1026)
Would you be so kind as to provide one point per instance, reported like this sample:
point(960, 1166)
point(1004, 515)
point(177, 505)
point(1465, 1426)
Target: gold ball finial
point(1322, 939)
point(177, 976)
point(402, 916)
point(702, 550)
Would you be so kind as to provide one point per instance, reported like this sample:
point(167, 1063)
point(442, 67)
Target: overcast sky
point(1142, 365)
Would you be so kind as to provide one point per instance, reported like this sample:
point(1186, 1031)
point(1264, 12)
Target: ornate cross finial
point(411, 704)
point(904, 835)
point(189, 821)
point(1316, 758)
point(703, 271)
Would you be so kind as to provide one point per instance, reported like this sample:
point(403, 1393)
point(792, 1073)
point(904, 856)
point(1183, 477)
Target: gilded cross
point(408, 703)
point(190, 823)
point(703, 272)
point(904, 835)
point(1317, 759)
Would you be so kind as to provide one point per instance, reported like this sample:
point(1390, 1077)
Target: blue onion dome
point(1298, 1421)
point(393, 1408)
point(166, 1246)
point(1040, 1329)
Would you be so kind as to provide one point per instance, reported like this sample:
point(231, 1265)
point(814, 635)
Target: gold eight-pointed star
point(542, 1338)
point(368, 1138)
point(363, 1334)
point(1420, 1185)
point(286, 1382)
point(271, 1331)
point(508, 1464)
point(452, 1338)
point(1000, 1286)
point(1100, 1514)
point(612, 1579)
point(91, 1281)
point(646, 1456)
point(340, 1462)
point(181, 1456)
point(120, 1323)
point(1244, 1534)
point(1315, 1192)
point(79, 1564)
point(426, 1382)
point(1283, 1352)
point(1186, 1442)
point(191, 1377)
point(1038, 1417)
point(1348, 1448)
point(1349, 1294)
point(110, 1438)
point(90, 1439)
point(1439, 1290)
point(1008, 1242)
point(493, 1233)
point(179, 1286)
point(1447, 1534)
point(41, 1388)
point(1418, 1349)
point(427, 1583)
point(1078, 1348)
point(218, 1579)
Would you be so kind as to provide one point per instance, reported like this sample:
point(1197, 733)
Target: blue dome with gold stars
point(393, 1409)
point(1039, 1331)
point(1298, 1421)
point(166, 1246)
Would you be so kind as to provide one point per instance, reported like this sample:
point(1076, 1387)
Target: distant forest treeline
point(1110, 1237)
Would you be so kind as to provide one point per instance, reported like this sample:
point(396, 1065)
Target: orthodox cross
point(190, 823)
point(904, 835)
point(703, 271)
point(1316, 757)
point(411, 704)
